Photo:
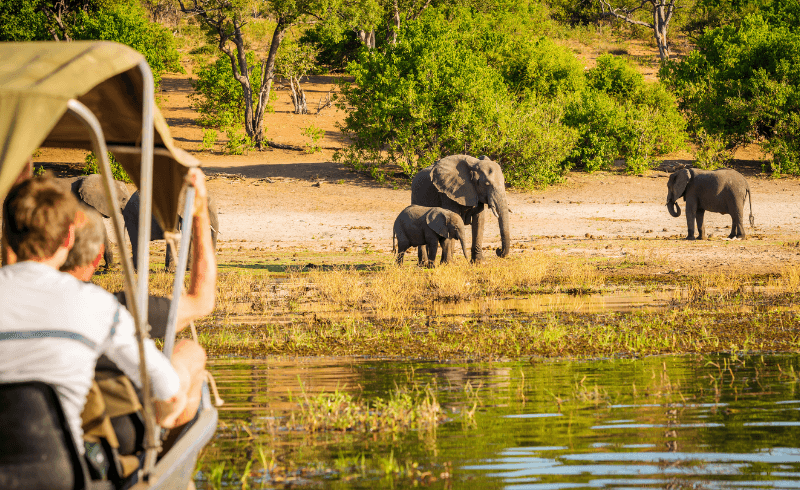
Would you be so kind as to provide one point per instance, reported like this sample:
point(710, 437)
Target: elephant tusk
point(494, 211)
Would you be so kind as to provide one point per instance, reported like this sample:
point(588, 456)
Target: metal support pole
point(183, 258)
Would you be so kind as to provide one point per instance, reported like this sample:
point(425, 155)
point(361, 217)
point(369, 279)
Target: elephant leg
point(478, 222)
point(737, 223)
point(701, 226)
point(108, 254)
point(447, 250)
point(432, 240)
point(402, 245)
point(133, 234)
point(691, 212)
point(422, 255)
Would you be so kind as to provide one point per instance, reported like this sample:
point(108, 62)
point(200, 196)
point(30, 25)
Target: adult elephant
point(131, 216)
point(465, 185)
point(89, 190)
point(721, 191)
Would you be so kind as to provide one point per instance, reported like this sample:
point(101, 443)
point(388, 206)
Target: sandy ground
point(278, 199)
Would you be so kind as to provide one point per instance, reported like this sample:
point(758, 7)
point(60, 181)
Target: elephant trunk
point(505, 228)
point(463, 245)
point(674, 209)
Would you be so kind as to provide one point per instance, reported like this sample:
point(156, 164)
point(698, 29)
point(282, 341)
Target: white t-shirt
point(53, 328)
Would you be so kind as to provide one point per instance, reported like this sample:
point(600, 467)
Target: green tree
point(653, 14)
point(741, 85)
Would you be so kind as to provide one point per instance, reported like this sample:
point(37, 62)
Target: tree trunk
point(267, 76)
point(298, 96)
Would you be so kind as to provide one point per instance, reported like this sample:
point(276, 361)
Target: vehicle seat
point(37, 451)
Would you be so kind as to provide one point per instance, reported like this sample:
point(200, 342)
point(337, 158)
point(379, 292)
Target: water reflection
point(668, 422)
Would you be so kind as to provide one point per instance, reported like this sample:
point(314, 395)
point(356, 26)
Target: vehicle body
point(99, 96)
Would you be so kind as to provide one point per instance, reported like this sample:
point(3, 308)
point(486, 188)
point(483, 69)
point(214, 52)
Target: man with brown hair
point(54, 327)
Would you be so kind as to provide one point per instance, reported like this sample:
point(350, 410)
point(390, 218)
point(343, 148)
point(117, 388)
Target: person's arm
point(198, 300)
point(175, 386)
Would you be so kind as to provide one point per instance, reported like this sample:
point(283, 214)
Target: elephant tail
point(394, 242)
point(752, 219)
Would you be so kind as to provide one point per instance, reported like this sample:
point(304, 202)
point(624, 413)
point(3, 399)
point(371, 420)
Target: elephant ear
point(453, 176)
point(91, 192)
point(123, 194)
point(681, 181)
point(437, 221)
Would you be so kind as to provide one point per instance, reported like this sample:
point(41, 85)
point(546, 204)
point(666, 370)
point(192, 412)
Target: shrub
point(315, 134)
point(742, 85)
point(209, 139)
point(124, 21)
point(435, 93)
point(619, 115)
point(90, 166)
point(539, 67)
point(238, 142)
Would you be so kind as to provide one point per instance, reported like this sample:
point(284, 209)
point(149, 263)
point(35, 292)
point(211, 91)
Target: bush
point(125, 22)
point(315, 134)
point(424, 97)
point(622, 116)
point(90, 166)
point(435, 93)
point(462, 83)
point(209, 139)
point(741, 86)
point(238, 142)
point(218, 96)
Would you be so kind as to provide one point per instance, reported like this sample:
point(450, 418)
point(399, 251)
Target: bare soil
point(293, 201)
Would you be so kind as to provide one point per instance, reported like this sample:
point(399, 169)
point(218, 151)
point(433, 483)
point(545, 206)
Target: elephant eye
point(488, 183)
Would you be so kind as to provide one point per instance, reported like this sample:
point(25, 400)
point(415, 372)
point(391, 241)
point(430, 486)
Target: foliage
point(217, 96)
point(460, 83)
point(706, 15)
point(621, 116)
point(125, 22)
point(436, 93)
point(91, 166)
point(315, 134)
point(332, 51)
point(209, 139)
point(711, 152)
point(295, 59)
point(742, 86)
point(238, 143)
point(539, 67)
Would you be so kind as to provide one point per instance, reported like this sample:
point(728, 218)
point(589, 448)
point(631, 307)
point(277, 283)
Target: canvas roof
point(37, 79)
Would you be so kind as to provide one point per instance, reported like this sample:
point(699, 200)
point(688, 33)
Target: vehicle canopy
point(38, 79)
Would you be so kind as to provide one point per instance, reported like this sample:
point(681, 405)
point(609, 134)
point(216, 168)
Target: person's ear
point(96, 261)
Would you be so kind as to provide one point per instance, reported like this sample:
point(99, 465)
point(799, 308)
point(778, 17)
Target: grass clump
point(340, 411)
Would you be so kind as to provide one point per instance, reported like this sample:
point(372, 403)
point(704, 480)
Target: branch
point(608, 11)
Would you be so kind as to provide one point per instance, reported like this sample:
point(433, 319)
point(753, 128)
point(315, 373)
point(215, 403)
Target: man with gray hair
point(83, 258)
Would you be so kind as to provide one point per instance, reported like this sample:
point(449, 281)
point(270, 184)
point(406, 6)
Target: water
point(659, 422)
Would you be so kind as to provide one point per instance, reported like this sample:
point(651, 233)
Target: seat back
point(37, 451)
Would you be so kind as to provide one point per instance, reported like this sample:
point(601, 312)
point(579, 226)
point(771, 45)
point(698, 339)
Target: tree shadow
point(327, 172)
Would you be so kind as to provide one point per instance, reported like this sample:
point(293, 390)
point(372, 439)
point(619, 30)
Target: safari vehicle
point(96, 96)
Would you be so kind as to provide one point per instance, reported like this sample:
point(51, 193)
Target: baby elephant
point(420, 225)
point(721, 191)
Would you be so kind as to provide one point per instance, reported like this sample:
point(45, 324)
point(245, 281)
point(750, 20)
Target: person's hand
point(197, 179)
